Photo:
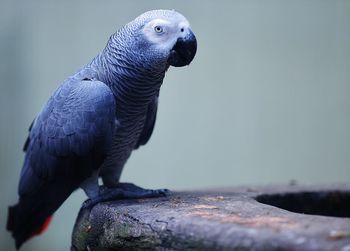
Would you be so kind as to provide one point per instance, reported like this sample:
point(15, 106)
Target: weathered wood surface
point(225, 219)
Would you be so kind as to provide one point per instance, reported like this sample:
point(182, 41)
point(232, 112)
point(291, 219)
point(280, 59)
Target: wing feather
point(74, 129)
point(149, 123)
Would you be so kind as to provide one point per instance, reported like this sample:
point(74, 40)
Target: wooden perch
point(227, 219)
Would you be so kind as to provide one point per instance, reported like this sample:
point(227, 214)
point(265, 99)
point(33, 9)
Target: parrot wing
point(149, 123)
point(77, 121)
point(67, 141)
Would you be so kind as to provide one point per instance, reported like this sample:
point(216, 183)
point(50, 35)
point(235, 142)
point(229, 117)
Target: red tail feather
point(43, 227)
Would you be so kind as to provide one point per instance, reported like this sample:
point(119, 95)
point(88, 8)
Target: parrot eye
point(158, 29)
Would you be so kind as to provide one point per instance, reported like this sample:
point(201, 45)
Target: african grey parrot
point(96, 118)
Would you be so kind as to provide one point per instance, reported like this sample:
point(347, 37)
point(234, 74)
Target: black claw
point(87, 204)
point(123, 191)
point(163, 192)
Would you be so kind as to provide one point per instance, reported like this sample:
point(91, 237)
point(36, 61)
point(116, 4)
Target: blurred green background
point(266, 100)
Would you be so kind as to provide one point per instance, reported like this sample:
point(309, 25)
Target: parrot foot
point(123, 191)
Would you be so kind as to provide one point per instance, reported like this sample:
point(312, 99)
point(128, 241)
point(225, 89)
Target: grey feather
point(95, 119)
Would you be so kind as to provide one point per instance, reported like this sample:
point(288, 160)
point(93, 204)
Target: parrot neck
point(133, 80)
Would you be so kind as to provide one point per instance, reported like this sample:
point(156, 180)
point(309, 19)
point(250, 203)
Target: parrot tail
point(24, 223)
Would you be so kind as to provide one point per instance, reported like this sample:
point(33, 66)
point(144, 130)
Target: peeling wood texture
point(222, 219)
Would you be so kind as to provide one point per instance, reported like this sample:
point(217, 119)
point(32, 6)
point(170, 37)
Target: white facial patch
point(162, 33)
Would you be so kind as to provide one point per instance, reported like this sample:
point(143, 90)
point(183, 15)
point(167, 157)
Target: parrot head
point(170, 33)
point(164, 36)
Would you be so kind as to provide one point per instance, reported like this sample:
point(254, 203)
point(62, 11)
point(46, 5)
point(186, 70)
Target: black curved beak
point(183, 51)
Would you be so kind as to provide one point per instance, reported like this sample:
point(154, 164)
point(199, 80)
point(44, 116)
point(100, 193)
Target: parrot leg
point(124, 191)
point(90, 185)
